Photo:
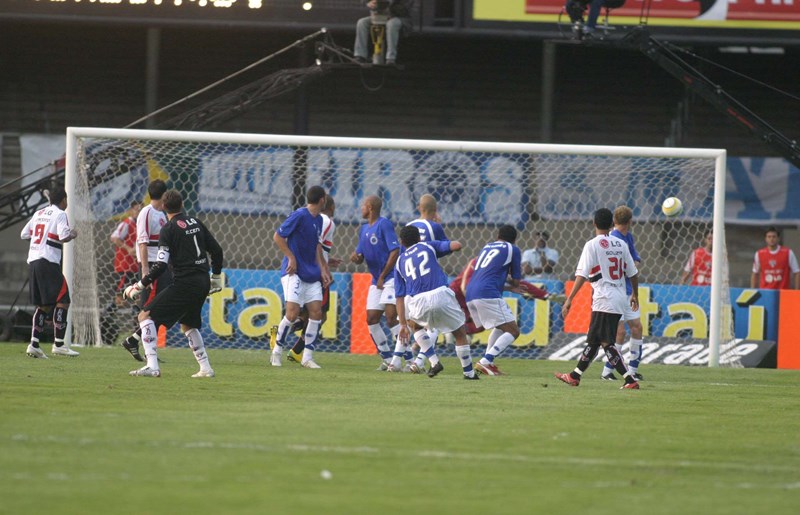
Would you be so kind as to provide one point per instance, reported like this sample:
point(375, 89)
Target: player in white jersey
point(48, 230)
point(604, 262)
point(148, 228)
point(424, 300)
point(326, 240)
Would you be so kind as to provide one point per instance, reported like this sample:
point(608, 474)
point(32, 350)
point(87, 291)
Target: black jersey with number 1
point(185, 243)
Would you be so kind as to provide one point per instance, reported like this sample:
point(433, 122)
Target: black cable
point(676, 48)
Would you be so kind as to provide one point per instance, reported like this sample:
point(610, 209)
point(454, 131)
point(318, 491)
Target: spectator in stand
point(399, 12)
point(698, 267)
point(540, 261)
point(774, 264)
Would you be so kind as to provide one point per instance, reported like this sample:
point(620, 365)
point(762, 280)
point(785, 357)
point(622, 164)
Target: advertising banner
point(669, 351)
point(252, 301)
point(739, 14)
point(477, 188)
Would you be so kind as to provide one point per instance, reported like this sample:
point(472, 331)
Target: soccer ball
point(672, 206)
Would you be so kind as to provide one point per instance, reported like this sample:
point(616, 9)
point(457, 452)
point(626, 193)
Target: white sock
point(399, 350)
point(433, 334)
point(312, 331)
point(283, 330)
point(426, 348)
point(379, 338)
point(636, 355)
point(198, 348)
point(150, 343)
point(462, 351)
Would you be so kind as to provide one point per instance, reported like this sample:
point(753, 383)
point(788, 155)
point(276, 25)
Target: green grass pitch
point(80, 436)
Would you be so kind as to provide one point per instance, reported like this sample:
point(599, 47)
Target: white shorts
point(437, 309)
point(628, 313)
point(300, 292)
point(490, 313)
point(377, 299)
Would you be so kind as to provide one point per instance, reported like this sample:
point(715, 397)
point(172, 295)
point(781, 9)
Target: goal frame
point(718, 155)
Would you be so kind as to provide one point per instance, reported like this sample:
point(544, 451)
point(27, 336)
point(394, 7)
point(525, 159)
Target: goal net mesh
point(243, 191)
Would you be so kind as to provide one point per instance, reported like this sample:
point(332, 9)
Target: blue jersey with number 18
point(496, 261)
point(417, 269)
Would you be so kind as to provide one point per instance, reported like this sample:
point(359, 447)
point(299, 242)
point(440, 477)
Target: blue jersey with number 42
point(417, 269)
point(496, 261)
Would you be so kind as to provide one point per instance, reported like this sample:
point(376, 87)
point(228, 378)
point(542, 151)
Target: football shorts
point(436, 309)
point(378, 298)
point(300, 292)
point(490, 313)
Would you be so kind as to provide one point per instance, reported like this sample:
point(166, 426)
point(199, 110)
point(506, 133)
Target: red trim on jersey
point(595, 270)
point(53, 236)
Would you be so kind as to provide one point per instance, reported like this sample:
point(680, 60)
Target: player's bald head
point(427, 204)
point(374, 202)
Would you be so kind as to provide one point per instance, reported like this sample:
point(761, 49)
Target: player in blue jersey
point(378, 247)
point(497, 261)
point(424, 299)
point(623, 217)
point(430, 229)
point(304, 273)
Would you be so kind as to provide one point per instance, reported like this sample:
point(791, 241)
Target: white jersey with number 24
point(605, 262)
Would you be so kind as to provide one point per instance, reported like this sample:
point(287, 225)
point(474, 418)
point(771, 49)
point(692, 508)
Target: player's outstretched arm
point(455, 245)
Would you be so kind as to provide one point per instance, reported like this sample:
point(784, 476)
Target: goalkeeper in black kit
point(185, 244)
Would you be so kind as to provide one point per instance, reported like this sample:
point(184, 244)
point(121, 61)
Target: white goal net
point(243, 186)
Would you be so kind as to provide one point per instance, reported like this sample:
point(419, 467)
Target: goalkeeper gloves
point(133, 291)
point(216, 283)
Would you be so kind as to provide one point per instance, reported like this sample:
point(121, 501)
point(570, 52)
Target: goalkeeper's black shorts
point(182, 301)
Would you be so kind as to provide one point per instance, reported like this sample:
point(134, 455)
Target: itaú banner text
point(766, 14)
point(241, 315)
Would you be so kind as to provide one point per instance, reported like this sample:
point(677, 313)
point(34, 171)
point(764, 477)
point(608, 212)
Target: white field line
point(427, 454)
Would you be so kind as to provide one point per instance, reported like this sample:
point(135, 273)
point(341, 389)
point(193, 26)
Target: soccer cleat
point(205, 373)
point(294, 357)
point(131, 345)
point(630, 386)
point(416, 369)
point(35, 352)
point(383, 367)
point(311, 364)
point(489, 370)
point(64, 351)
point(568, 379)
point(392, 368)
point(145, 372)
point(275, 359)
point(638, 376)
point(556, 298)
point(273, 337)
point(609, 377)
point(407, 368)
point(435, 369)
point(473, 377)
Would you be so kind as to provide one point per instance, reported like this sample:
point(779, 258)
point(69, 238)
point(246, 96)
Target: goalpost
point(244, 185)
